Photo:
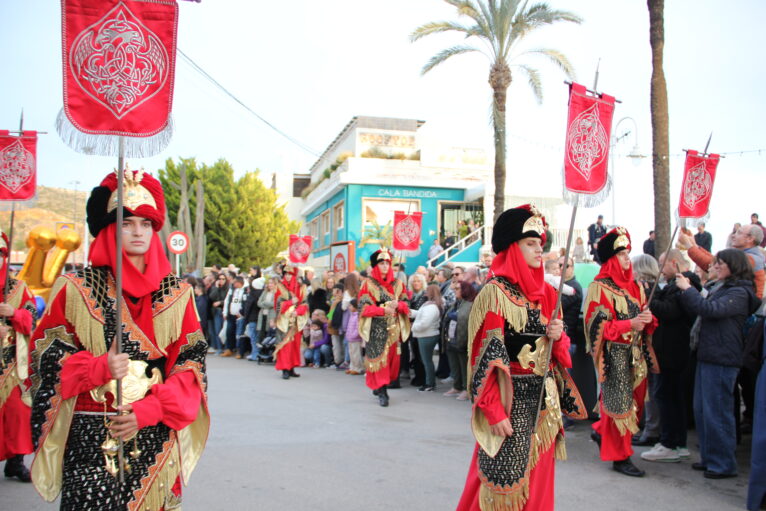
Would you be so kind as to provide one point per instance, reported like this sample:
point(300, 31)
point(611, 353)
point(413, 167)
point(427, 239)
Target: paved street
point(322, 443)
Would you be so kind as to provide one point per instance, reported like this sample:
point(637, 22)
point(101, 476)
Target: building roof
point(363, 121)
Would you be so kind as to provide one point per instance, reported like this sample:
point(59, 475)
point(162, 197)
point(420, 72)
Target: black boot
point(595, 437)
point(14, 467)
point(294, 374)
point(627, 467)
point(375, 392)
point(383, 396)
point(285, 374)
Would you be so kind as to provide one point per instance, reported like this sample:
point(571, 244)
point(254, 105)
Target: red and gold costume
point(382, 334)
point(292, 315)
point(15, 400)
point(622, 357)
point(73, 389)
point(506, 374)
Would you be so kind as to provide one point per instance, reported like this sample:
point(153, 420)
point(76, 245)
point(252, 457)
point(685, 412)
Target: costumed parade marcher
point(383, 323)
point(18, 312)
point(510, 331)
point(164, 419)
point(618, 329)
point(292, 315)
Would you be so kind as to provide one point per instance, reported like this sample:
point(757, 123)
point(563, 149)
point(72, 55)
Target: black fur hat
point(517, 223)
point(612, 242)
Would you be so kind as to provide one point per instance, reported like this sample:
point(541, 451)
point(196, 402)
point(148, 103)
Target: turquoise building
point(375, 167)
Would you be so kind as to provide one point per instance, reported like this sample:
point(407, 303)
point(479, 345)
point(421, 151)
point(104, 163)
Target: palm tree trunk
point(499, 97)
point(660, 127)
point(499, 80)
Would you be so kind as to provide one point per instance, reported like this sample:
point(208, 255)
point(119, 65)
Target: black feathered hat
point(516, 223)
point(612, 242)
point(380, 255)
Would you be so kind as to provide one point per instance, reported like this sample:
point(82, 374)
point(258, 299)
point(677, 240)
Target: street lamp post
point(635, 156)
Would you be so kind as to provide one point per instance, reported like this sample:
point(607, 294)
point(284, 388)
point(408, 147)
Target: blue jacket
point(723, 313)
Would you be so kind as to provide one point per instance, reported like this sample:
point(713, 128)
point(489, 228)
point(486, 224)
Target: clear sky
point(309, 66)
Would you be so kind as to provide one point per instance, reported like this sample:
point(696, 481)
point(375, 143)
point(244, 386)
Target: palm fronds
point(556, 57)
point(533, 78)
point(444, 55)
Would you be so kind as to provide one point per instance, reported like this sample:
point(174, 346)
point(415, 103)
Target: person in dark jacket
point(756, 490)
point(250, 314)
point(203, 307)
point(649, 244)
point(318, 297)
point(671, 345)
point(457, 338)
point(719, 339)
point(216, 295)
point(703, 238)
point(571, 305)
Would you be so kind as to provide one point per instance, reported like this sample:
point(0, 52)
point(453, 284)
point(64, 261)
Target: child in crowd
point(553, 277)
point(354, 340)
point(318, 340)
point(270, 337)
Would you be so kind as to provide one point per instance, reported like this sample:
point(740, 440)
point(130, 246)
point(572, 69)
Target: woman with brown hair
point(457, 337)
point(426, 328)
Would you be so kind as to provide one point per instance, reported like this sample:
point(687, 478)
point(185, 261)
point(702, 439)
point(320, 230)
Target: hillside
point(52, 205)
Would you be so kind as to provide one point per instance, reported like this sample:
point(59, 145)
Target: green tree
point(261, 227)
point(243, 222)
point(498, 27)
point(183, 187)
point(170, 177)
point(220, 213)
point(660, 129)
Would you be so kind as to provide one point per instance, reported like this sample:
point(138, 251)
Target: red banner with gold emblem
point(18, 166)
point(589, 127)
point(697, 187)
point(407, 228)
point(119, 71)
point(300, 249)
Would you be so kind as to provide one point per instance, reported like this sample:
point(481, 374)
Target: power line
point(204, 73)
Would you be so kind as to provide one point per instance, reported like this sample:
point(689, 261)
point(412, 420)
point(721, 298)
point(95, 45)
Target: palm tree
point(499, 26)
point(660, 139)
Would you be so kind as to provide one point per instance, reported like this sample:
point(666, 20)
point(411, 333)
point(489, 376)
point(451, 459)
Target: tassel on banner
point(586, 200)
point(108, 145)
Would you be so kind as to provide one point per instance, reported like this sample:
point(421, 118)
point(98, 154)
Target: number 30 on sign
point(178, 242)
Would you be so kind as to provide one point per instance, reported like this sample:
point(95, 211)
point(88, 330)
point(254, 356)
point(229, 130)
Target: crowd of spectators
point(708, 307)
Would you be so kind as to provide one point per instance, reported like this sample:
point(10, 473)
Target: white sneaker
point(683, 453)
point(448, 379)
point(661, 453)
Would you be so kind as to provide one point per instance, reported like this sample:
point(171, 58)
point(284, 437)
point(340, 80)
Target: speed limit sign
point(178, 242)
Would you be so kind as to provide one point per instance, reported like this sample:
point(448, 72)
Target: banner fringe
point(689, 221)
point(7, 205)
point(406, 253)
point(586, 200)
point(108, 145)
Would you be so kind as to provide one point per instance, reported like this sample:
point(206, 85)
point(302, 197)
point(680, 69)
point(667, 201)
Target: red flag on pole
point(300, 249)
point(589, 127)
point(18, 166)
point(407, 228)
point(697, 187)
point(119, 70)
